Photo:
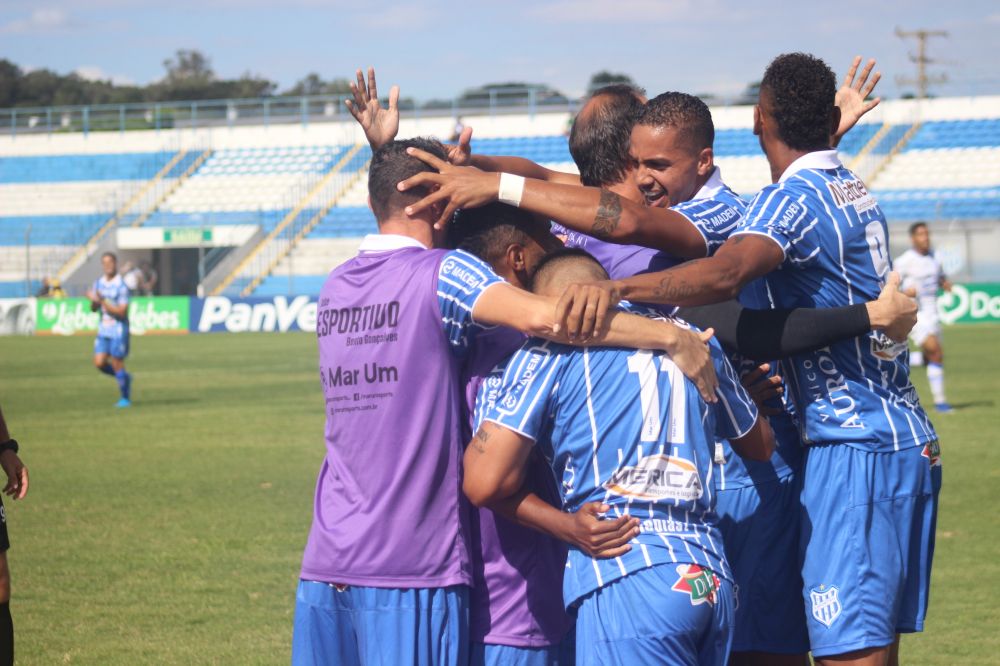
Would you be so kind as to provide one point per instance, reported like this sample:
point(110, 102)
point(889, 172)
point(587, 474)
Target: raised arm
point(852, 97)
point(379, 124)
point(590, 210)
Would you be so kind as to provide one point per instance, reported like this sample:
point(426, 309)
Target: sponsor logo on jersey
point(657, 477)
point(885, 348)
point(932, 451)
point(702, 585)
point(826, 606)
point(851, 193)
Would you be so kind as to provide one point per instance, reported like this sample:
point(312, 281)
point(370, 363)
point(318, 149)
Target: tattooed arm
point(742, 258)
point(599, 213)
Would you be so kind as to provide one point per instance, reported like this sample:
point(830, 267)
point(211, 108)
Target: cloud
point(96, 73)
point(40, 21)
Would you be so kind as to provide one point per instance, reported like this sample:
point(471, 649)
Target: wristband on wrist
point(9, 445)
point(511, 189)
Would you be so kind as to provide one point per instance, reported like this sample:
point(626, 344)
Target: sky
point(438, 48)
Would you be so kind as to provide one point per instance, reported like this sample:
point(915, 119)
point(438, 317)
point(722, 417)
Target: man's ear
point(758, 121)
point(835, 121)
point(515, 256)
point(706, 161)
point(369, 200)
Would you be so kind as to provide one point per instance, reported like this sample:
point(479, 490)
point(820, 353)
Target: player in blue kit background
point(110, 296)
point(871, 473)
point(623, 427)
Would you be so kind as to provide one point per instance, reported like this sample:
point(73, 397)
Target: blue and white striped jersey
point(462, 278)
point(116, 292)
point(715, 211)
point(834, 238)
point(626, 428)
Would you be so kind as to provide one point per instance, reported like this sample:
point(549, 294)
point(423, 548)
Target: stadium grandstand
point(265, 207)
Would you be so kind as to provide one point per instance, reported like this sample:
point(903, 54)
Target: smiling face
point(670, 168)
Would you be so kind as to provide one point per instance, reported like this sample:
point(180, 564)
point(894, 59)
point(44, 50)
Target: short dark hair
point(917, 225)
point(688, 114)
point(390, 166)
point(488, 231)
point(801, 89)
point(599, 139)
point(112, 255)
point(552, 260)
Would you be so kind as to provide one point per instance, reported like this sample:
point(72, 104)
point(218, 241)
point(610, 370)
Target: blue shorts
point(116, 346)
point(866, 543)
point(484, 654)
point(657, 616)
point(760, 532)
point(371, 625)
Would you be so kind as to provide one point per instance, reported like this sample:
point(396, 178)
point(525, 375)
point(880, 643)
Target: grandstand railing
point(235, 112)
point(318, 193)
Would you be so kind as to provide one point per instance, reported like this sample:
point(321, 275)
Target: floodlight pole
point(921, 60)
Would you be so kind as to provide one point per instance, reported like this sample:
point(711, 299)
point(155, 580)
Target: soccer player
point(387, 554)
point(922, 276)
point(624, 428)
point(16, 488)
point(868, 439)
point(110, 296)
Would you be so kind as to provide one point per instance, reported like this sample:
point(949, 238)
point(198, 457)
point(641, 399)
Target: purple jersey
point(392, 325)
point(517, 572)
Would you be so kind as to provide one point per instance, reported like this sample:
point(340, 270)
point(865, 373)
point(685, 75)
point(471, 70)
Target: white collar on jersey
point(386, 242)
point(712, 186)
point(820, 159)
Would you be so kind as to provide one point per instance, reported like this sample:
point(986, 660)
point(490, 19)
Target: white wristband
point(511, 189)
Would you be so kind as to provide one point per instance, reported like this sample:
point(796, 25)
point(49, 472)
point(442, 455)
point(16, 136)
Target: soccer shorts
point(760, 532)
point(116, 346)
point(928, 324)
point(4, 539)
point(866, 543)
point(657, 616)
point(371, 625)
point(484, 654)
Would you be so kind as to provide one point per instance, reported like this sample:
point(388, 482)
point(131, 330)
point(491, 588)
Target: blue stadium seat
point(74, 168)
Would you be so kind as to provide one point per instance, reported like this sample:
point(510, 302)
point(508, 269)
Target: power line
point(923, 79)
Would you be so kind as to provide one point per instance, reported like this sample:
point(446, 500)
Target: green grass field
point(171, 533)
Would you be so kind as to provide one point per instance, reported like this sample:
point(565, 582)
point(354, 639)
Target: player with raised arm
point(110, 296)
point(389, 530)
point(624, 428)
point(15, 488)
point(923, 276)
point(866, 433)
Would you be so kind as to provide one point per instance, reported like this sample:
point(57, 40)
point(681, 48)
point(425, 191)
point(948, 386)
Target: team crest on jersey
point(885, 348)
point(657, 477)
point(932, 451)
point(702, 585)
point(825, 604)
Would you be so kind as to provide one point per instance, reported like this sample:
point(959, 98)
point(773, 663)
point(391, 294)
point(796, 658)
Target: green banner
point(147, 316)
point(970, 303)
point(187, 236)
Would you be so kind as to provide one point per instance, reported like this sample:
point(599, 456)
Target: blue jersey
point(834, 239)
point(462, 278)
point(626, 428)
point(115, 292)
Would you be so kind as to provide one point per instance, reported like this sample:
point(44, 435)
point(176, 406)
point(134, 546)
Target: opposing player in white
point(922, 276)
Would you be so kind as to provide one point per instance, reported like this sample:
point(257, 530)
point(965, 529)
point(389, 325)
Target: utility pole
point(921, 59)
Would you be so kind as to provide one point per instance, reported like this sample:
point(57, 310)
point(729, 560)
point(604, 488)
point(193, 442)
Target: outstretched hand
point(583, 309)
point(380, 125)
point(852, 96)
point(690, 353)
point(459, 186)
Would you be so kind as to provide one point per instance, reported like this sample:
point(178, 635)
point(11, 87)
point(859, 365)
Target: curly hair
point(801, 89)
point(688, 114)
point(599, 139)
